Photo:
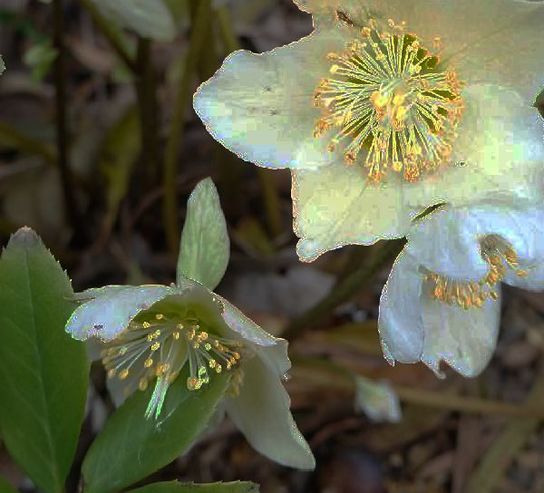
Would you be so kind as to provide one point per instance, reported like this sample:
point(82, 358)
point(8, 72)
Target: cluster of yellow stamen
point(391, 97)
point(499, 256)
point(160, 346)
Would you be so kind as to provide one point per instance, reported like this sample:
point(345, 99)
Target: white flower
point(442, 299)
point(386, 108)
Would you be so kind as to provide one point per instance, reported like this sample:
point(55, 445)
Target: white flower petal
point(110, 309)
point(244, 326)
point(464, 339)
point(399, 322)
point(378, 400)
point(260, 106)
point(499, 151)
point(261, 412)
point(336, 206)
point(534, 281)
point(447, 242)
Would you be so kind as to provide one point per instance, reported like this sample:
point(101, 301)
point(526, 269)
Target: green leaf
point(148, 18)
point(43, 371)
point(6, 487)
point(205, 246)
point(177, 487)
point(131, 447)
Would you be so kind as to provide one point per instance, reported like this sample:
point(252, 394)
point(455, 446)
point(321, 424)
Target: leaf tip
point(25, 237)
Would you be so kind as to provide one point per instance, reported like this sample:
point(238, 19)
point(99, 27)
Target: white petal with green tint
point(377, 400)
point(336, 206)
point(109, 310)
point(400, 322)
point(464, 339)
point(243, 326)
point(149, 18)
point(499, 152)
point(261, 411)
point(261, 106)
point(205, 246)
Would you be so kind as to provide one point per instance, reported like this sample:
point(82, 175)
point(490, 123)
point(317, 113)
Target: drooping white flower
point(387, 108)
point(442, 299)
point(151, 335)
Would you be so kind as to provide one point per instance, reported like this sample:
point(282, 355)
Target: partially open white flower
point(386, 108)
point(151, 335)
point(442, 299)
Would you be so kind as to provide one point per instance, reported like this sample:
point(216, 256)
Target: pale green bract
point(377, 400)
point(148, 334)
point(442, 299)
point(204, 242)
point(482, 138)
point(148, 18)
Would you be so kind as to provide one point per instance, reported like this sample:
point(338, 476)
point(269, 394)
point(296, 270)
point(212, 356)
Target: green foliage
point(176, 487)
point(43, 372)
point(131, 447)
point(5, 487)
point(40, 57)
point(205, 246)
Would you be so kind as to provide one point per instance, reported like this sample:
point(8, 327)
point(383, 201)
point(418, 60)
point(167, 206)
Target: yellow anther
point(148, 363)
point(123, 374)
point(175, 335)
point(146, 325)
point(155, 346)
point(212, 363)
point(142, 384)
point(159, 316)
point(111, 372)
point(180, 326)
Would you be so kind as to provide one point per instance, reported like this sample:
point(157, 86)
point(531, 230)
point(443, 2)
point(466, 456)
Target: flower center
point(389, 95)
point(158, 347)
point(499, 256)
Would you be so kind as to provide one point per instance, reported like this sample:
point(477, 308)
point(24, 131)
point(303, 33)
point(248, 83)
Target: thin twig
point(344, 289)
point(183, 99)
point(61, 120)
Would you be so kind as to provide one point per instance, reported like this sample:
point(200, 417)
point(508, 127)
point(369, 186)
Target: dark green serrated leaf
point(177, 487)
point(43, 372)
point(205, 246)
point(6, 487)
point(131, 447)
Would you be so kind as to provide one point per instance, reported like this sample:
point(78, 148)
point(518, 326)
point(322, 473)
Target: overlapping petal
point(336, 206)
point(106, 312)
point(261, 412)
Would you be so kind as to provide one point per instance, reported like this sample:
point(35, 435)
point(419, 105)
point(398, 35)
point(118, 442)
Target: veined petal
point(336, 206)
point(260, 106)
point(499, 151)
point(110, 309)
point(400, 323)
point(464, 339)
point(261, 412)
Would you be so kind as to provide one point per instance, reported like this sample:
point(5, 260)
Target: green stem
point(183, 100)
point(61, 118)
point(113, 36)
point(361, 275)
point(146, 88)
point(267, 180)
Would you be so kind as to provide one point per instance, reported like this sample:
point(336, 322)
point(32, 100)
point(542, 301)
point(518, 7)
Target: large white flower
point(442, 299)
point(388, 107)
